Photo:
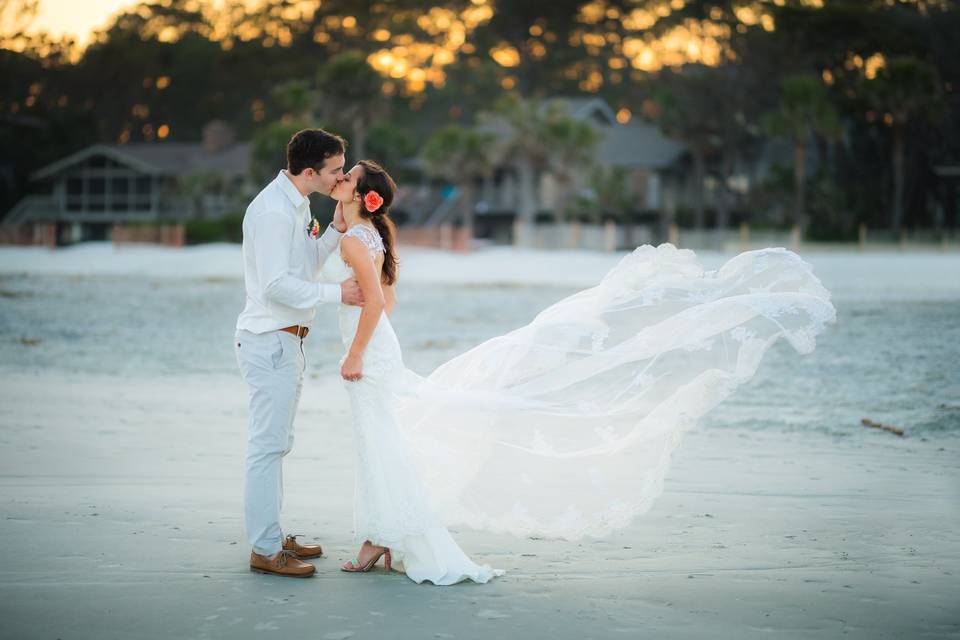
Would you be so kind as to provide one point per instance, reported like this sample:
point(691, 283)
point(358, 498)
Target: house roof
point(161, 158)
point(636, 144)
point(947, 171)
point(595, 110)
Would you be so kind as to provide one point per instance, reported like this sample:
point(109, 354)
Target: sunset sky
point(77, 18)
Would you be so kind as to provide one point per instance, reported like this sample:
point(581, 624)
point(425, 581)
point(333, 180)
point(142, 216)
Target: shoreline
point(894, 276)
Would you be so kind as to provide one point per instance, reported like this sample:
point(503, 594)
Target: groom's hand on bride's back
point(350, 293)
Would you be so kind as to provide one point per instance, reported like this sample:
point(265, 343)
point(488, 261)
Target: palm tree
point(297, 100)
point(904, 90)
point(460, 155)
point(571, 144)
point(269, 148)
point(350, 95)
point(805, 111)
point(526, 143)
point(692, 112)
point(541, 136)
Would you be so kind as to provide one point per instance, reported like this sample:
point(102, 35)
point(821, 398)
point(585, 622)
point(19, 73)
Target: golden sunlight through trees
point(418, 62)
point(412, 47)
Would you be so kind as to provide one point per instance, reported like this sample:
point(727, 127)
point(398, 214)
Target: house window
point(142, 192)
point(74, 193)
point(119, 194)
point(119, 186)
point(97, 188)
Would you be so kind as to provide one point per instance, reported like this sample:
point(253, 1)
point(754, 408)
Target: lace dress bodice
point(369, 237)
point(383, 351)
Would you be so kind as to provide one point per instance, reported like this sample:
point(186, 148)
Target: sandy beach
point(782, 516)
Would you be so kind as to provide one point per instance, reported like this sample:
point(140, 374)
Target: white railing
point(31, 207)
point(608, 236)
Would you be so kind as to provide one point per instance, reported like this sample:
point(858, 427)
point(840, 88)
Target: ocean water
point(893, 359)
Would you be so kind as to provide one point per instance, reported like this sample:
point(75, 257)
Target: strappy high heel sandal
point(354, 566)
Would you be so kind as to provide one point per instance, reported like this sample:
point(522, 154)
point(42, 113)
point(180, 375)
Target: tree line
point(862, 93)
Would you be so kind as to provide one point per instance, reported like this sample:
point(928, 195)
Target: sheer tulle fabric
point(564, 428)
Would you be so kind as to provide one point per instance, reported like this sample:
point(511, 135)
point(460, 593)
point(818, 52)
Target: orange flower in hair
point(372, 201)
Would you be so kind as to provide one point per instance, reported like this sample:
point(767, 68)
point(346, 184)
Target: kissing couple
point(562, 428)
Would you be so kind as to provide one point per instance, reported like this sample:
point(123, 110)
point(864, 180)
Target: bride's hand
point(352, 368)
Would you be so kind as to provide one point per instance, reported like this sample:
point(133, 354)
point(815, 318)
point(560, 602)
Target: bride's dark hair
point(376, 178)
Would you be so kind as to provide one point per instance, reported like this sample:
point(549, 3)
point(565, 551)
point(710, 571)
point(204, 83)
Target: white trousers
point(272, 365)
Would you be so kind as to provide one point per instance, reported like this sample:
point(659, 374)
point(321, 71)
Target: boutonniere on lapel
point(313, 229)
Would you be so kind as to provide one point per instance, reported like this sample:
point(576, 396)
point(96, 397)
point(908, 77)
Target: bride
point(393, 517)
point(562, 428)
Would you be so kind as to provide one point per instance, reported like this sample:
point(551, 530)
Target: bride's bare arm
point(368, 275)
point(389, 296)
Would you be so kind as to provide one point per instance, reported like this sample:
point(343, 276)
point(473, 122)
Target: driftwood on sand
point(867, 422)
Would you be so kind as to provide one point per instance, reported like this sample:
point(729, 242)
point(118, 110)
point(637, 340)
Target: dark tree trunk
point(725, 200)
point(896, 218)
point(527, 188)
point(359, 142)
point(699, 172)
point(467, 204)
point(800, 184)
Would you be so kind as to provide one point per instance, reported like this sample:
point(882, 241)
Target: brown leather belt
point(298, 330)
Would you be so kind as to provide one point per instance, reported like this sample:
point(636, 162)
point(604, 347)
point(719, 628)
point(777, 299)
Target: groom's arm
point(327, 243)
point(330, 240)
point(272, 235)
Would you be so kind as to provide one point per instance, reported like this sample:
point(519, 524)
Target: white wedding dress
point(564, 428)
point(391, 506)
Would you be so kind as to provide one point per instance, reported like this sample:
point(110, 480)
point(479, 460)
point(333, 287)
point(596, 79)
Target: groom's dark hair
point(310, 147)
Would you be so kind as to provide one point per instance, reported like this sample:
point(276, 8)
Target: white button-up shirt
point(282, 262)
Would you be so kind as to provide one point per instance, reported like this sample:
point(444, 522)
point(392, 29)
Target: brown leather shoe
point(302, 550)
point(284, 563)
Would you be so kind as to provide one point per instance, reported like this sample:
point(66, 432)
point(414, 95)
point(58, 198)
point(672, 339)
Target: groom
point(282, 254)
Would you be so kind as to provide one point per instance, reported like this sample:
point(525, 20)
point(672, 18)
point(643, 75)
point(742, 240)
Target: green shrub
point(226, 229)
